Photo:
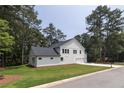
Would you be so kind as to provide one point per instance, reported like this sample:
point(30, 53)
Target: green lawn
point(36, 76)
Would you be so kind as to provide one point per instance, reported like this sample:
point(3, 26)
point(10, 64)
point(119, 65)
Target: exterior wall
point(46, 61)
point(32, 59)
point(67, 58)
point(73, 58)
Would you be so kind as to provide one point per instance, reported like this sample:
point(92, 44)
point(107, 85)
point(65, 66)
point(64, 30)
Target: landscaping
point(29, 77)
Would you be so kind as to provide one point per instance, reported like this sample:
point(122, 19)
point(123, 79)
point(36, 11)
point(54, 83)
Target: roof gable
point(77, 43)
point(53, 50)
point(59, 43)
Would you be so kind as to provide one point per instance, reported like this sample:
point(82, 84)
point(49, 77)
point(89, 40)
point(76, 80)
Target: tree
point(25, 28)
point(6, 40)
point(95, 23)
point(53, 35)
point(105, 32)
point(116, 45)
point(114, 30)
point(59, 35)
point(50, 33)
point(4, 26)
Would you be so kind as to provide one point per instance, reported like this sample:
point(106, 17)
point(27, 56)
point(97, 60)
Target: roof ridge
point(60, 43)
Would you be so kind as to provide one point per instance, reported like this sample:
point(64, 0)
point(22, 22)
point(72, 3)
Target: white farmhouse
point(63, 52)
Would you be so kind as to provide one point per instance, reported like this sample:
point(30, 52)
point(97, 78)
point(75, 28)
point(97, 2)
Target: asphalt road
point(109, 79)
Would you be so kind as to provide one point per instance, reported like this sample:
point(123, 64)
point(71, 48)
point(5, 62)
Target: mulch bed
point(8, 78)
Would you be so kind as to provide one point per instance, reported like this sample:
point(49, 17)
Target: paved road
point(109, 79)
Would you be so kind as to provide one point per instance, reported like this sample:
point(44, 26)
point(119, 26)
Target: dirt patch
point(1, 68)
point(8, 78)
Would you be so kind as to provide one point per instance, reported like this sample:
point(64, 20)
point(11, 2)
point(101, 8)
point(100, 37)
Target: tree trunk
point(4, 59)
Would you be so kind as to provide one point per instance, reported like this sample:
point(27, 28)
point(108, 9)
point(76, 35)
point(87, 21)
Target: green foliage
point(6, 40)
point(4, 26)
point(53, 35)
point(25, 28)
point(105, 34)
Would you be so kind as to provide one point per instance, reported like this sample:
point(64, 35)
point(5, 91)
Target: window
point(40, 58)
point(51, 58)
point(66, 51)
point(63, 51)
point(80, 51)
point(61, 58)
point(74, 51)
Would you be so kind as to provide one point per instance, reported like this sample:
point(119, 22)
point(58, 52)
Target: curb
point(47, 85)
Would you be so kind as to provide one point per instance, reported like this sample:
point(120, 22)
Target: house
point(63, 52)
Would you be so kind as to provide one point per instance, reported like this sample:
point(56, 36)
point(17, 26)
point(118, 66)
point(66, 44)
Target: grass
point(36, 76)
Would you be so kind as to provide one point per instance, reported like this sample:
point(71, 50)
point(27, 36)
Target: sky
point(70, 19)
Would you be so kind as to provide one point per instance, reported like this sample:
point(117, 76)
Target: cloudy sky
point(70, 19)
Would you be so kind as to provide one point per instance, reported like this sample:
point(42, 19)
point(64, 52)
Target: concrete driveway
point(108, 79)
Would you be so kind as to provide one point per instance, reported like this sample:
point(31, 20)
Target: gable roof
point(59, 43)
point(53, 50)
point(40, 51)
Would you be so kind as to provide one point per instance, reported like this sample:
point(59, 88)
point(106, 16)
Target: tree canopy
point(105, 34)
point(53, 35)
point(6, 40)
point(23, 29)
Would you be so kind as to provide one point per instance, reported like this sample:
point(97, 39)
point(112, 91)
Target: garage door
point(79, 60)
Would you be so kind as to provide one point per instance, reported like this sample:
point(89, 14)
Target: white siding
point(31, 61)
point(73, 58)
point(67, 58)
point(46, 61)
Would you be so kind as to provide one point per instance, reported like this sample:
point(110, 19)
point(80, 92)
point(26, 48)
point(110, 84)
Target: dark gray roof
point(40, 51)
point(59, 43)
point(53, 50)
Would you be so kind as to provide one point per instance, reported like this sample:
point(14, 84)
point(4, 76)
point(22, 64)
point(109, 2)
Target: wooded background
point(20, 29)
